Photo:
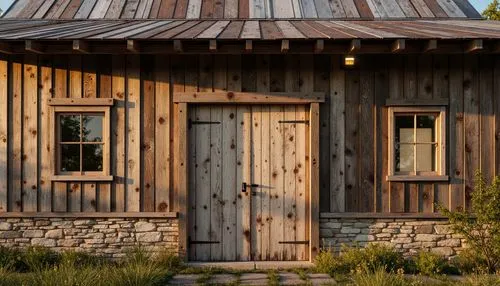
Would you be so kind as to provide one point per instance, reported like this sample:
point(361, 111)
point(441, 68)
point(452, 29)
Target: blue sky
point(479, 4)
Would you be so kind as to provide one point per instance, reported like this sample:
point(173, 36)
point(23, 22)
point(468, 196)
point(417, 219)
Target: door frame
point(181, 101)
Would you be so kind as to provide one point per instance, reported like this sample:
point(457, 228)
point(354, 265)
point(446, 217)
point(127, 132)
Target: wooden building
point(236, 130)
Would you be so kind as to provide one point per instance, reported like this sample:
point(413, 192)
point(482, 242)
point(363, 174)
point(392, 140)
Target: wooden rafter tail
point(5, 48)
point(33, 47)
point(430, 46)
point(319, 46)
point(285, 46)
point(248, 46)
point(133, 46)
point(474, 46)
point(398, 46)
point(178, 46)
point(212, 45)
point(81, 47)
point(354, 46)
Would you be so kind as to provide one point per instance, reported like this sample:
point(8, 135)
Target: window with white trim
point(417, 143)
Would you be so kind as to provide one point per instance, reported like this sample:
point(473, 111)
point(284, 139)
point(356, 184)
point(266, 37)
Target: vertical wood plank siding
point(352, 122)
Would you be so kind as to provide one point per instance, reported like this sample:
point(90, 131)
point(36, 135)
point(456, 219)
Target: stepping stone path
point(285, 278)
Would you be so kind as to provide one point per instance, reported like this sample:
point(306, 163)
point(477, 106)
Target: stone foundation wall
point(110, 237)
point(406, 235)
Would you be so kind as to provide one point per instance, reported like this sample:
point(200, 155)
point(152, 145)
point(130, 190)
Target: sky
point(479, 4)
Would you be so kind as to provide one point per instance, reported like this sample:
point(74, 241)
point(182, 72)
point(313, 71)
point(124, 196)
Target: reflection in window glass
point(92, 128)
point(70, 157)
point(70, 128)
point(415, 146)
point(85, 132)
point(92, 157)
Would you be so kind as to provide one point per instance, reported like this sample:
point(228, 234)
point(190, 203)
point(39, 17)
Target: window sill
point(64, 178)
point(401, 178)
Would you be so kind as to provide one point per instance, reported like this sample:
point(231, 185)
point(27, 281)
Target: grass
point(273, 279)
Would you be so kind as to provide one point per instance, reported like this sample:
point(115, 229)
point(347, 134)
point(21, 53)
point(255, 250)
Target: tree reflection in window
point(81, 144)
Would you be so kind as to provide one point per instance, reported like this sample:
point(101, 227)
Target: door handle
point(244, 186)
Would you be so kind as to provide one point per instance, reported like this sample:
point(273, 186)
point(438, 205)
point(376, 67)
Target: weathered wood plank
point(314, 179)
point(100, 9)
point(4, 119)
point(40, 13)
point(30, 134)
point(366, 118)
point(118, 156)
point(451, 9)
point(133, 146)
point(115, 9)
point(162, 134)
point(456, 152)
point(322, 84)
point(487, 129)
point(46, 125)
point(283, 9)
point(104, 70)
point(262, 85)
point(471, 124)
point(350, 9)
point(422, 9)
point(330, 8)
point(148, 146)
point(351, 140)
point(277, 97)
point(60, 91)
point(496, 90)
point(85, 9)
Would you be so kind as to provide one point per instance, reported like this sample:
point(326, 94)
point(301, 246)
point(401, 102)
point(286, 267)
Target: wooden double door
point(248, 182)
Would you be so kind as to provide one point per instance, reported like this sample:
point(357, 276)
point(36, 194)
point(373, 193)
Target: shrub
point(428, 263)
point(373, 257)
point(10, 258)
point(379, 277)
point(37, 258)
point(481, 229)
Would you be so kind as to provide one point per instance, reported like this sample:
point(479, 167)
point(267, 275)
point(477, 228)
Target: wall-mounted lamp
point(349, 61)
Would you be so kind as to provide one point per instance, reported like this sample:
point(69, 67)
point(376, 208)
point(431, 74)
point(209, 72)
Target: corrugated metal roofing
point(249, 29)
point(240, 9)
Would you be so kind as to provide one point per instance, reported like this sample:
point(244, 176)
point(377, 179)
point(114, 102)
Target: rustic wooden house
point(236, 130)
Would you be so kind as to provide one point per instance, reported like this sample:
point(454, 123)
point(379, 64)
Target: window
point(417, 143)
point(81, 140)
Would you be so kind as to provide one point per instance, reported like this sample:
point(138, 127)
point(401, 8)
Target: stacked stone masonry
point(110, 237)
point(406, 235)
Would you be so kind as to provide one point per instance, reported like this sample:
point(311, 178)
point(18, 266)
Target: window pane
point(70, 128)
point(426, 157)
point(404, 158)
point(404, 129)
point(92, 157)
point(70, 157)
point(92, 128)
point(425, 128)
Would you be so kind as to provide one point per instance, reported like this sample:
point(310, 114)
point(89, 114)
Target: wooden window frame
point(440, 173)
point(78, 107)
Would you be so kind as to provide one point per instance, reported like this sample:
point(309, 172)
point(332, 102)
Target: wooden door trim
point(181, 176)
point(231, 97)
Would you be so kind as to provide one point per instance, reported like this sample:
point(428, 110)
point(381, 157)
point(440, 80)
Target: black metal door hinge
point(294, 121)
point(294, 242)
point(201, 241)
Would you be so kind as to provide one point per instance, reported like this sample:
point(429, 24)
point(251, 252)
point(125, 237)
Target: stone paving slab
point(285, 278)
point(253, 279)
point(184, 279)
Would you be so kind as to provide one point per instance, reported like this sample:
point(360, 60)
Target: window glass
point(426, 157)
point(404, 158)
point(425, 128)
point(70, 128)
point(92, 128)
point(70, 157)
point(92, 157)
point(404, 129)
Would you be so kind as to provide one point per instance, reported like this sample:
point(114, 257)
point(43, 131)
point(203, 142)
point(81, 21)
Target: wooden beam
point(89, 214)
point(430, 46)
point(34, 47)
point(81, 47)
point(133, 46)
point(355, 46)
point(319, 46)
point(178, 46)
point(80, 101)
point(212, 45)
point(398, 46)
point(285, 46)
point(371, 215)
point(5, 48)
point(248, 46)
point(474, 46)
point(249, 97)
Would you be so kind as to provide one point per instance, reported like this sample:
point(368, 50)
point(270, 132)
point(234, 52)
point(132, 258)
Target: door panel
point(258, 144)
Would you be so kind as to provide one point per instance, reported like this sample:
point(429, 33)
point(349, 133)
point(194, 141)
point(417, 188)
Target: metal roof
point(240, 9)
point(246, 30)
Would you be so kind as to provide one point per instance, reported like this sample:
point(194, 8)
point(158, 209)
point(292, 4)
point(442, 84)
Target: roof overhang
point(262, 36)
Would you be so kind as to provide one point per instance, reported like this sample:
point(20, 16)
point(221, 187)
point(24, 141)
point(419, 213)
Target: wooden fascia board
point(249, 97)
